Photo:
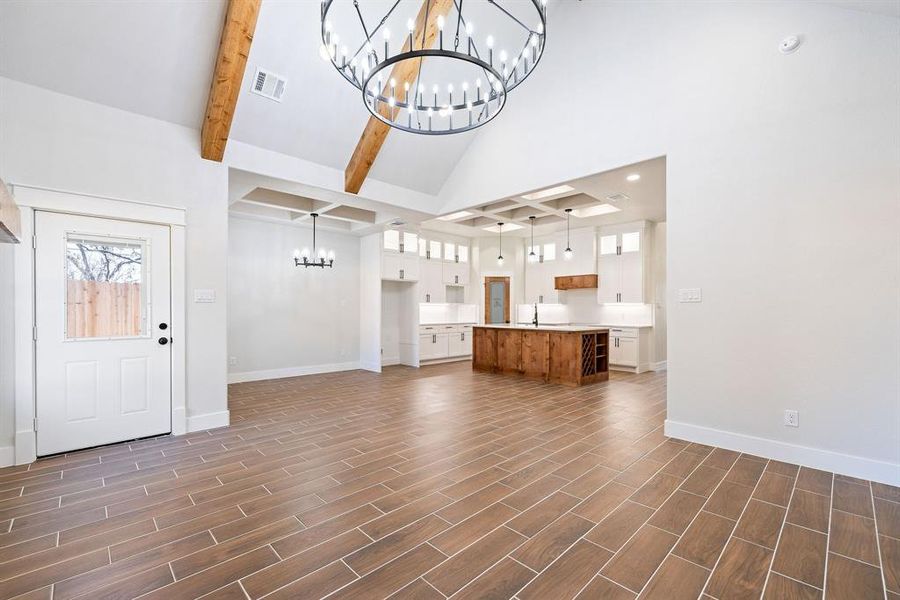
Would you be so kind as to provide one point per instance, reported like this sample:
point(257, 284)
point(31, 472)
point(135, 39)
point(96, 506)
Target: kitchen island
point(567, 354)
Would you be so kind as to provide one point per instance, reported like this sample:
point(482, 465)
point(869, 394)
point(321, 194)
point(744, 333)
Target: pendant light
point(567, 254)
point(322, 259)
point(500, 258)
point(532, 257)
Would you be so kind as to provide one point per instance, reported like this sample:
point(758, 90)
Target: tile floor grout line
point(877, 540)
point(828, 538)
point(712, 571)
point(784, 520)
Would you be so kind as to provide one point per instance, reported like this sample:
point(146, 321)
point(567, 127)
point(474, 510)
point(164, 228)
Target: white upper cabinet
point(621, 261)
point(399, 267)
point(431, 285)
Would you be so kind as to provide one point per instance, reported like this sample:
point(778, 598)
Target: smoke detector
point(789, 44)
point(268, 85)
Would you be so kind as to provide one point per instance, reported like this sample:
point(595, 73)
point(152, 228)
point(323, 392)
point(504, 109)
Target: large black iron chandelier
point(441, 75)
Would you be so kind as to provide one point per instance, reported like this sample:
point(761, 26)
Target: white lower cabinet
point(444, 341)
point(461, 343)
point(629, 349)
point(436, 345)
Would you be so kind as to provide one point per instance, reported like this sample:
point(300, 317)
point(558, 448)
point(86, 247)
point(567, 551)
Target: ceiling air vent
point(617, 197)
point(268, 84)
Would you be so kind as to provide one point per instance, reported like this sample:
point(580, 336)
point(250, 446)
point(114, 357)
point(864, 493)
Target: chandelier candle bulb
point(366, 67)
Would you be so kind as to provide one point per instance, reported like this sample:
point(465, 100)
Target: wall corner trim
point(817, 458)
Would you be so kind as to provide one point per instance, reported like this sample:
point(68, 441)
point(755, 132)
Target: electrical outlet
point(232, 361)
point(791, 418)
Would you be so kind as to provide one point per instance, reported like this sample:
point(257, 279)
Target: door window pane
point(607, 244)
point(106, 293)
point(435, 249)
point(631, 242)
point(392, 240)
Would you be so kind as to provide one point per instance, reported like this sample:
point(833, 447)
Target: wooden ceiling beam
point(231, 61)
point(376, 131)
point(10, 217)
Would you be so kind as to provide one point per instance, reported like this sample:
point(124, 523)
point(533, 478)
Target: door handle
point(163, 341)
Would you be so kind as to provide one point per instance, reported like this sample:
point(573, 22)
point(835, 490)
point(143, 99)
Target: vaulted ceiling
point(156, 59)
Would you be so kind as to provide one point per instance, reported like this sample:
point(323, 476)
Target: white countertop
point(562, 328)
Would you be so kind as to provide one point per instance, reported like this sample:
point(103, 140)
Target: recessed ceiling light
point(593, 211)
point(633, 177)
point(506, 227)
point(455, 216)
point(560, 189)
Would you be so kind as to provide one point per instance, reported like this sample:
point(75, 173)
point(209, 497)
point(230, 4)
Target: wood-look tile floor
point(437, 483)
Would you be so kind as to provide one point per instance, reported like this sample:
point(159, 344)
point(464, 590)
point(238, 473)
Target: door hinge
point(34, 332)
point(35, 423)
point(34, 241)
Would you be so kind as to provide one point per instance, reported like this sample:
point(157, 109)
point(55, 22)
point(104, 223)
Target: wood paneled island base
point(569, 355)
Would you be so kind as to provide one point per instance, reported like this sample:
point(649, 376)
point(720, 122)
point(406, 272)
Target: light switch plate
point(204, 295)
point(690, 295)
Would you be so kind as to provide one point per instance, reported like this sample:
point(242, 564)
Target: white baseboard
point(208, 421)
point(291, 372)
point(375, 367)
point(7, 456)
point(389, 362)
point(826, 460)
point(658, 366)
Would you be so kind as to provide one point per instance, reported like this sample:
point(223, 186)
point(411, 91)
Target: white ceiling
point(144, 56)
point(155, 58)
point(646, 200)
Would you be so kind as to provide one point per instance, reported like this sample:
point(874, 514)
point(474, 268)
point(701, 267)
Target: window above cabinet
point(400, 241)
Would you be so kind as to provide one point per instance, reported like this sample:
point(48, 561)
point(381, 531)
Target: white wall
point(54, 141)
point(391, 296)
point(7, 354)
point(285, 320)
point(782, 205)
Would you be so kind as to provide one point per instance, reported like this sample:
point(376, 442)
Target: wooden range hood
point(576, 282)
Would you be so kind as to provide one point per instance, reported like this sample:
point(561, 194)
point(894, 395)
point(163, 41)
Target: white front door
point(102, 315)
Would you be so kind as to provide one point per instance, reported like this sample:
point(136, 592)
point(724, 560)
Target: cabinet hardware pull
point(427, 297)
point(434, 339)
point(462, 337)
point(401, 273)
point(401, 247)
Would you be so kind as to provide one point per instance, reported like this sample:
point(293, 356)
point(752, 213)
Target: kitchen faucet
point(535, 319)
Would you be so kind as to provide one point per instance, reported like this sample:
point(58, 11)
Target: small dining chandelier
point(323, 258)
point(500, 233)
point(435, 73)
point(567, 253)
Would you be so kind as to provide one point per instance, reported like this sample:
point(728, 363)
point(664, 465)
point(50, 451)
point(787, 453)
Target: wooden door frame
point(32, 199)
point(487, 296)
